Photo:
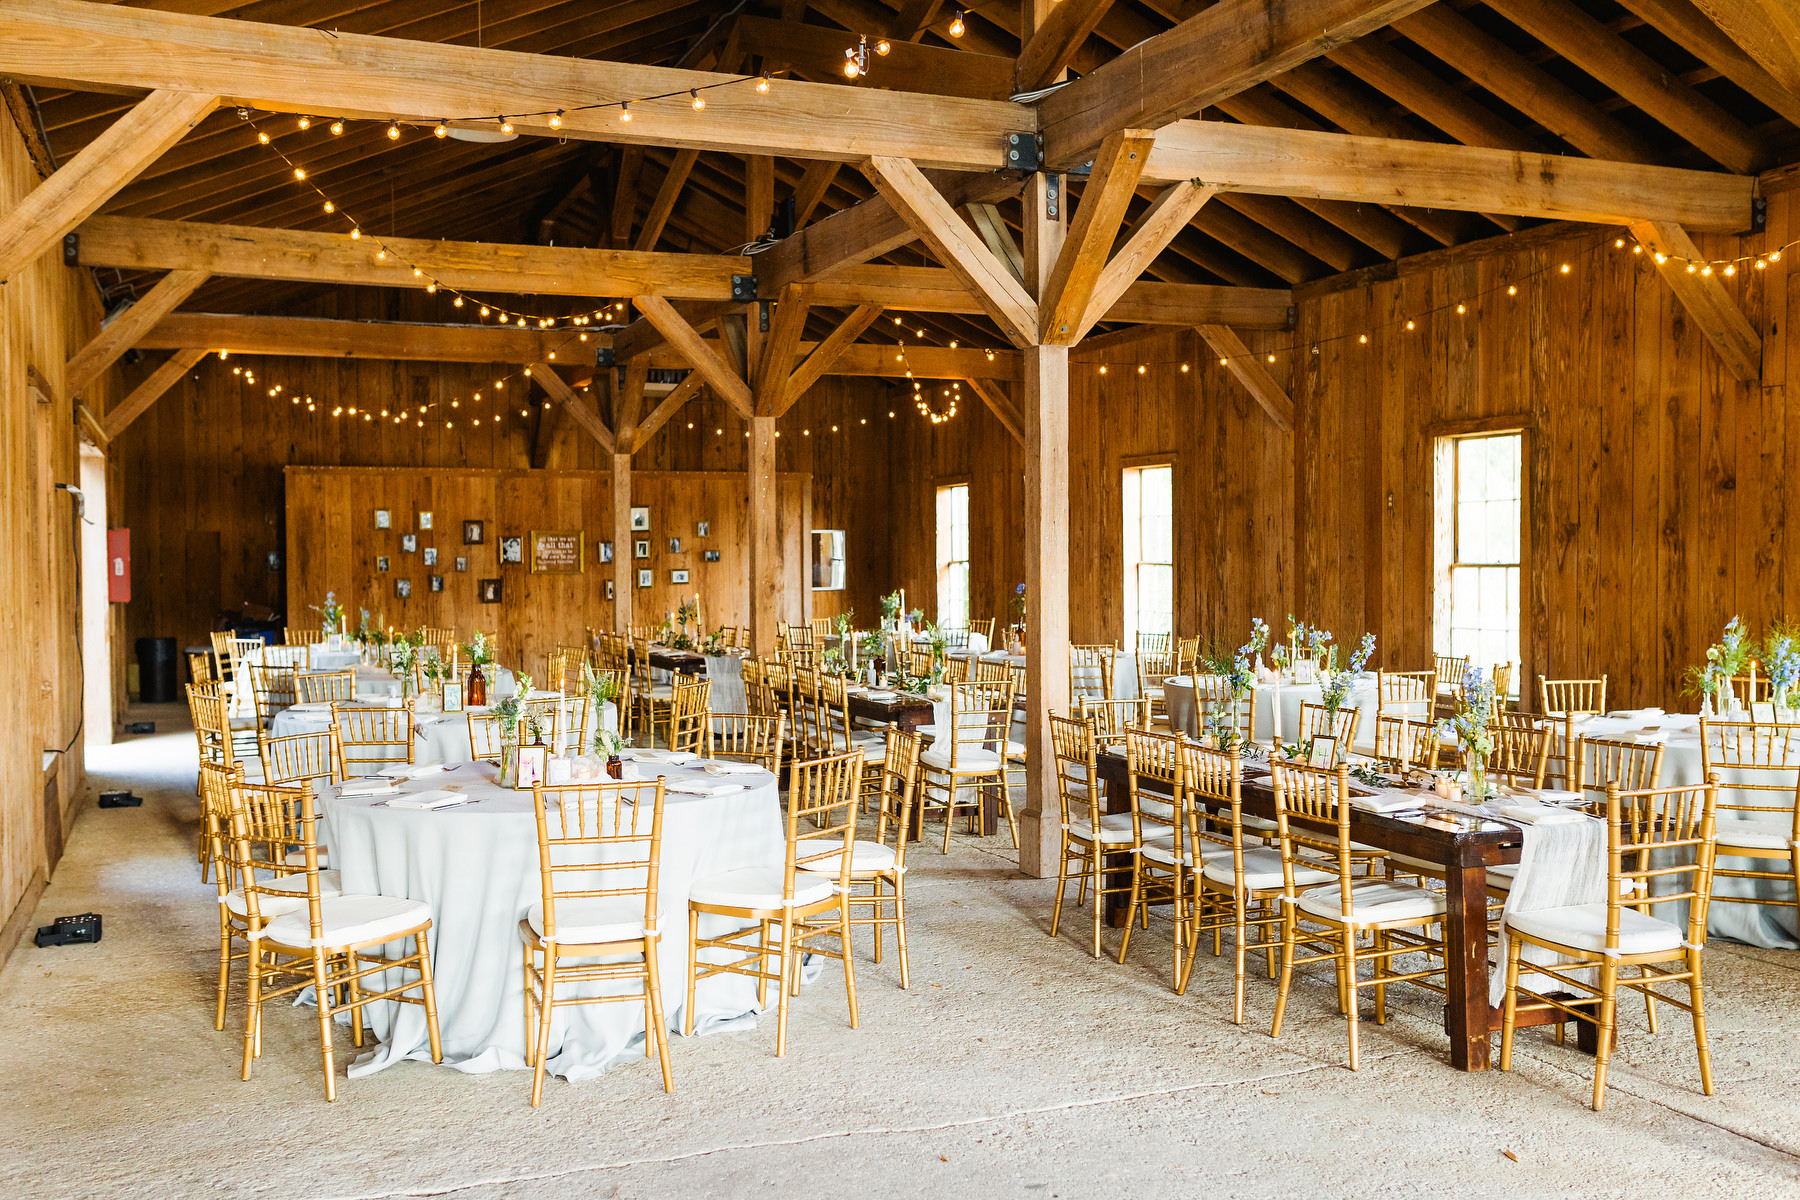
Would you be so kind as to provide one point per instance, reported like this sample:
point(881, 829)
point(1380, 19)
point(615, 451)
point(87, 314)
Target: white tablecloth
point(726, 671)
point(1125, 673)
point(1178, 693)
point(477, 866)
point(442, 737)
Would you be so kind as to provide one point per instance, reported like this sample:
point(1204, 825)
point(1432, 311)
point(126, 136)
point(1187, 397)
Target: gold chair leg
point(353, 1000)
point(1381, 943)
point(530, 1011)
point(1131, 912)
point(849, 960)
point(1698, 1003)
point(1062, 881)
point(429, 988)
point(788, 963)
point(546, 1008)
point(324, 998)
point(224, 967)
point(1609, 984)
point(1092, 871)
point(687, 1012)
point(1649, 999)
point(1510, 1010)
point(252, 1008)
point(1287, 970)
point(900, 925)
point(656, 1020)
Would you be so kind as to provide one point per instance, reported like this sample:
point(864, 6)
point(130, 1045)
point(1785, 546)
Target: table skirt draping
point(477, 867)
point(1184, 715)
point(441, 737)
point(726, 671)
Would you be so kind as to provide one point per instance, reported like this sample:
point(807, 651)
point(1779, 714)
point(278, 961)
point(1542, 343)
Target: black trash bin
point(156, 670)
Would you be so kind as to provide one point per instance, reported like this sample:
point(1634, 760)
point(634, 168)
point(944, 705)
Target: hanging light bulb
point(262, 137)
point(330, 207)
point(625, 111)
point(699, 100)
point(305, 122)
point(762, 84)
point(882, 46)
point(442, 130)
point(957, 28)
point(355, 233)
point(337, 128)
point(431, 288)
point(381, 253)
point(299, 172)
point(505, 126)
point(851, 70)
point(484, 310)
point(556, 120)
point(393, 131)
point(456, 303)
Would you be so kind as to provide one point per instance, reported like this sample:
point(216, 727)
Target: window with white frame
point(1481, 481)
point(953, 555)
point(1149, 550)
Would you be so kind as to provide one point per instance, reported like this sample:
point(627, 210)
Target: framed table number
point(453, 697)
point(1323, 752)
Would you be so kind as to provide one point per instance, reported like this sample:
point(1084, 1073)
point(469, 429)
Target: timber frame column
point(765, 543)
point(623, 564)
point(1045, 400)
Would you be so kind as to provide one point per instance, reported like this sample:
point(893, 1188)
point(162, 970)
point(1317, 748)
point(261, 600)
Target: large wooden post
point(765, 545)
point(1045, 400)
point(623, 565)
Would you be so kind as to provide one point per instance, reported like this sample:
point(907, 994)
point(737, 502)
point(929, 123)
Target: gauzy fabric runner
point(1562, 863)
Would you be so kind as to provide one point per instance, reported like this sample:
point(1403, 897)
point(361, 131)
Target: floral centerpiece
point(478, 650)
point(402, 655)
point(891, 604)
point(1782, 658)
point(1470, 722)
point(1725, 659)
point(714, 643)
point(508, 713)
point(1337, 683)
point(331, 613)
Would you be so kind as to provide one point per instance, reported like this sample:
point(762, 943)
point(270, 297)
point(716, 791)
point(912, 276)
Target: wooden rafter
point(1242, 42)
point(992, 227)
point(129, 327)
point(1001, 405)
point(1167, 216)
point(579, 410)
point(1000, 295)
point(1467, 178)
point(723, 378)
point(149, 392)
point(1704, 296)
point(1050, 50)
point(818, 53)
point(666, 195)
point(671, 404)
point(1768, 30)
point(775, 363)
point(812, 188)
point(1068, 294)
point(320, 337)
point(1698, 34)
point(628, 403)
point(830, 352)
point(1248, 371)
point(88, 180)
point(101, 47)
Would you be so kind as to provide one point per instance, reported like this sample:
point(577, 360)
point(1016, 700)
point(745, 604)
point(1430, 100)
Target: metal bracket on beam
point(1293, 316)
point(743, 287)
point(1759, 214)
point(71, 249)
point(762, 315)
point(603, 356)
point(1024, 151)
point(1052, 196)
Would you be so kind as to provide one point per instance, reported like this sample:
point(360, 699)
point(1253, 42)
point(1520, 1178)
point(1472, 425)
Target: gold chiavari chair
point(1316, 721)
point(1571, 697)
point(1521, 750)
point(820, 628)
point(1750, 689)
point(369, 739)
point(1450, 669)
point(200, 668)
point(1155, 663)
point(612, 651)
point(442, 640)
point(651, 699)
point(330, 943)
point(920, 658)
point(1111, 718)
point(1088, 834)
point(1634, 766)
point(222, 647)
point(1407, 741)
point(293, 657)
point(687, 713)
point(1664, 834)
point(319, 687)
point(1187, 655)
point(983, 671)
point(1312, 809)
point(1410, 694)
point(788, 907)
point(485, 737)
point(984, 627)
point(1162, 869)
point(956, 637)
point(880, 865)
point(1213, 702)
point(300, 760)
point(272, 689)
point(1760, 807)
point(971, 753)
point(803, 702)
point(542, 719)
point(1503, 681)
point(760, 695)
point(222, 738)
point(576, 722)
point(556, 670)
point(1240, 886)
point(747, 737)
point(957, 669)
point(1091, 672)
point(302, 637)
point(599, 854)
point(838, 733)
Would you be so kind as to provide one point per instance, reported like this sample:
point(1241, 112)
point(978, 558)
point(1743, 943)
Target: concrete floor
point(1015, 1066)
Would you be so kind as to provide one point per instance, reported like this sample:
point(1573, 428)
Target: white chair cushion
point(584, 920)
point(1153, 693)
point(1115, 829)
point(1373, 902)
point(1583, 926)
point(1262, 869)
point(1160, 809)
point(757, 887)
point(276, 906)
point(1015, 749)
point(297, 858)
point(658, 691)
point(350, 921)
point(1747, 835)
point(1261, 824)
point(864, 856)
point(971, 761)
point(874, 748)
point(1164, 852)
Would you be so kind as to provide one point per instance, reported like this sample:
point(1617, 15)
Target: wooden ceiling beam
point(723, 378)
point(670, 191)
point(92, 177)
point(775, 364)
point(1729, 332)
point(322, 337)
point(1063, 306)
point(671, 404)
point(86, 45)
point(1704, 37)
point(1637, 77)
point(1168, 215)
point(1052, 47)
point(998, 235)
point(132, 243)
point(579, 410)
point(1247, 370)
point(1001, 405)
point(1466, 178)
point(819, 52)
point(1000, 295)
point(1242, 42)
point(121, 415)
point(1768, 30)
point(829, 352)
point(1390, 71)
point(811, 189)
point(128, 328)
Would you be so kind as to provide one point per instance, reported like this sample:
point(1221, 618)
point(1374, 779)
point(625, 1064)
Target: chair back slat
point(371, 738)
point(599, 841)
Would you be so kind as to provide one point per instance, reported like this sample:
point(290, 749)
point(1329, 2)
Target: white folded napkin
point(699, 787)
point(543, 694)
point(1387, 802)
point(311, 706)
point(1632, 714)
point(881, 695)
point(1542, 814)
point(726, 766)
point(435, 798)
point(1549, 796)
point(369, 787)
point(410, 770)
point(672, 757)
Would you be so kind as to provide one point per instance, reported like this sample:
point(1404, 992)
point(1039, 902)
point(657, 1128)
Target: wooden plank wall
point(46, 313)
point(203, 468)
point(1659, 486)
point(332, 544)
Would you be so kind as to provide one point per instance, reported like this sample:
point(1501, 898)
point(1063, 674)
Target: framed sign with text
point(557, 552)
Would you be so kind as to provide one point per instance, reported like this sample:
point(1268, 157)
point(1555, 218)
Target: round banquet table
point(477, 867)
point(1184, 716)
point(441, 737)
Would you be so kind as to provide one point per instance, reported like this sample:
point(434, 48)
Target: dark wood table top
point(688, 662)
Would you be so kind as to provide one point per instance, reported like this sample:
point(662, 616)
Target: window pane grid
point(953, 555)
point(1484, 575)
point(1149, 537)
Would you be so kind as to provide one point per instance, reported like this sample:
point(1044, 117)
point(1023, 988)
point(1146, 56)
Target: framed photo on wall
point(431, 556)
point(678, 576)
point(474, 533)
point(383, 519)
point(488, 590)
point(403, 588)
point(274, 560)
point(646, 577)
point(703, 529)
point(605, 552)
point(512, 548)
point(409, 543)
point(381, 562)
point(609, 589)
point(674, 545)
point(640, 520)
point(437, 583)
point(558, 552)
point(424, 520)
point(712, 556)
point(641, 548)
point(462, 564)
